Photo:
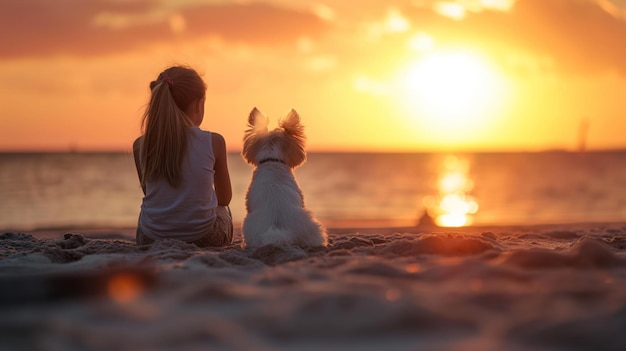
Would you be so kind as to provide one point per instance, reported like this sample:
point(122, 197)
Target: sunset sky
point(371, 75)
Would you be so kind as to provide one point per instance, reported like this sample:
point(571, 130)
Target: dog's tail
point(275, 235)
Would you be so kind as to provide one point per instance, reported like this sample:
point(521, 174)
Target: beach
point(523, 287)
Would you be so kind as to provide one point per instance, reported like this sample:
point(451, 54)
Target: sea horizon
point(339, 151)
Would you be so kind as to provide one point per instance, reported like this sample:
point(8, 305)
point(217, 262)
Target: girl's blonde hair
point(165, 124)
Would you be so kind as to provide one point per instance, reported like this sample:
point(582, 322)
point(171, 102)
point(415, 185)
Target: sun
point(452, 90)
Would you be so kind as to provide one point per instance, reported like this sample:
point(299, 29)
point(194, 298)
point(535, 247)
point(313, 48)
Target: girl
point(182, 169)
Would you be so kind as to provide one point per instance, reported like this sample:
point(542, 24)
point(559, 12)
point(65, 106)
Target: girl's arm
point(221, 179)
point(136, 150)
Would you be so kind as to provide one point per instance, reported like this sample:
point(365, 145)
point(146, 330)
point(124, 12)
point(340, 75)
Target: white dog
point(274, 202)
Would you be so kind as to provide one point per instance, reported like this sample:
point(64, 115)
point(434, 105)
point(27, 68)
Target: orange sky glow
point(401, 75)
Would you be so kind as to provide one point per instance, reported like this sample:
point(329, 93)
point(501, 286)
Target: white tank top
point(185, 212)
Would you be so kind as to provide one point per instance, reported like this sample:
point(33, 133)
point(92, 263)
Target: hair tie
point(167, 79)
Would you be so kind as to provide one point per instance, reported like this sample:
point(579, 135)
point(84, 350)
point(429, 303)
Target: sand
point(551, 287)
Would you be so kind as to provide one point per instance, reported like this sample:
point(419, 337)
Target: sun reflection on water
point(453, 207)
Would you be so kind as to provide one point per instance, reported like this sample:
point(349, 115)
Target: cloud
point(580, 35)
point(574, 36)
point(34, 28)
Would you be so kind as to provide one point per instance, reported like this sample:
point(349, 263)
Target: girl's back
point(183, 212)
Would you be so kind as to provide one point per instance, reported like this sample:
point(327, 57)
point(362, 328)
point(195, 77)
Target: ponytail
point(166, 126)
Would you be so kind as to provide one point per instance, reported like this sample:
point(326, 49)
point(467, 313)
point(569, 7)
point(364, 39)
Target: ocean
point(79, 190)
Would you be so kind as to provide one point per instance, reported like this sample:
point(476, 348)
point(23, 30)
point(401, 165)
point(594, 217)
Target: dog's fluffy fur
point(274, 203)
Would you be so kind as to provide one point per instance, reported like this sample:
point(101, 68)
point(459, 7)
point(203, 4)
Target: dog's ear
point(292, 126)
point(294, 150)
point(257, 128)
point(257, 122)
